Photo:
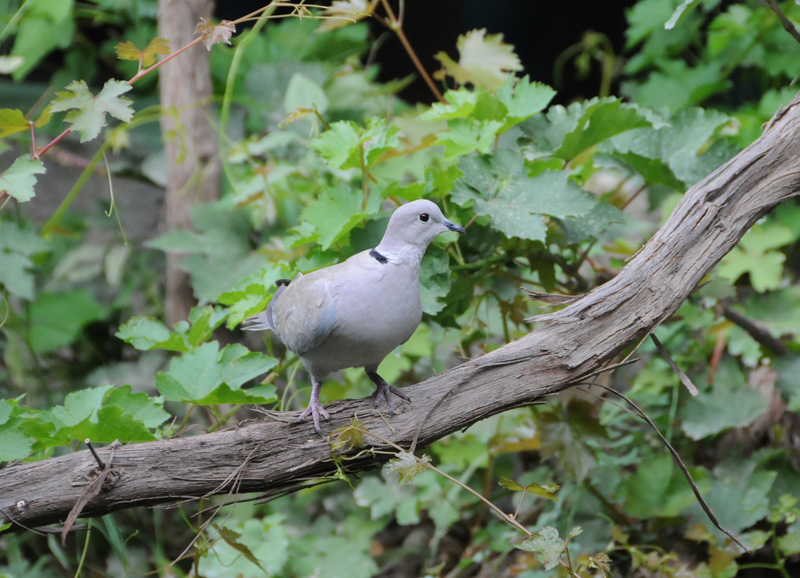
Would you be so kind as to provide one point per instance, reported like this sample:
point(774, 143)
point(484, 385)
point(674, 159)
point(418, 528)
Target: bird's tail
point(266, 320)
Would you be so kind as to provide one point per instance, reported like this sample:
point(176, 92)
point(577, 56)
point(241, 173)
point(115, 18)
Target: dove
point(354, 313)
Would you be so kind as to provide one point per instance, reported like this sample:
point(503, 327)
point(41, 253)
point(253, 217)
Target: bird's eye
point(424, 217)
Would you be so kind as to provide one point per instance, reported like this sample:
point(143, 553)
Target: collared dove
point(355, 313)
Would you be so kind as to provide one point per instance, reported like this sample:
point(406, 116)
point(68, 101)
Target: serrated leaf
point(87, 113)
point(344, 12)
point(653, 171)
point(56, 319)
point(302, 92)
point(215, 33)
point(459, 104)
point(340, 145)
point(146, 333)
point(207, 376)
point(730, 403)
point(350, 436)
point(267, 540)
point(12, 120)
point(407, 466)
point(499, 188)
point(129, 51)
point(756, 256)
point(510, 484)
point(545, 491)
point(547, 544)
point(335, 213)
point(522, 99)
point(599, 122)
point(466, 135)
point(483, 60)
point(18, 179)
point(231, 538)
point(434, 278)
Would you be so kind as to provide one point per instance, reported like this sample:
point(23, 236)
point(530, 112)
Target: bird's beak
point(454, 227)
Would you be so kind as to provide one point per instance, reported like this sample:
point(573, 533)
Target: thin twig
point(788, 25)
point(687, 383)
point(680, 463)
point(756, 331)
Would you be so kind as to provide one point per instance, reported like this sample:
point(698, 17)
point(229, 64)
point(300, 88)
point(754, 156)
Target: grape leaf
point(56, 319)
point(18, 179)
point(600, 121)
point(129, 51)
point(755, 255)
point(547, 544)
point(500, 188)
point(343, 12)
point(334, 214)
point(214, 33)
point(17, 245)
point(483, 60)
point(146, 333)
point(206, 375)
point(730, 403)
point(407, 466)
point(87, 113)
point(12, 120)
point(523, 99)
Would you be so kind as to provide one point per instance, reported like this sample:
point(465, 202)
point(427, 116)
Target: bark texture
point(274, 457)
point(191, 143)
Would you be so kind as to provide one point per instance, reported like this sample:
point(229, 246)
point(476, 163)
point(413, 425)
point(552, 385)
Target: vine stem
point(396, 25)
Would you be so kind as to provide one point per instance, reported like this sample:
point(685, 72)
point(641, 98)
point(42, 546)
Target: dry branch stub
point(274, 457)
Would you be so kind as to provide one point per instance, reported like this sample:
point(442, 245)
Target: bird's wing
point(306, 312)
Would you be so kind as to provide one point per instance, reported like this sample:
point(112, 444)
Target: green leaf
point(345, 145)
point(18, 180)
point(547, 544)
point(458, 104)
point(499, 188)
point(12, 120)
point(756, 256)
point(546, 491)
point(340, 145)
point(658, 488)
point(45, 25)
point(654, 171)
point(207, 376)
point(88, 112)
point(15, 443)
point(600, 121)
point(522, 99)
point(146, 333)
point(139, 406)
point(254, 548)
point(303, 92)
point(731, 403)
point(56, 319)
point(334, 214)
point(434, 278)
point(684, 143)
point(468, 135)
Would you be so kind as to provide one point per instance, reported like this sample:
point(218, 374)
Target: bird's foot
point(316, 409)
point(388, 392)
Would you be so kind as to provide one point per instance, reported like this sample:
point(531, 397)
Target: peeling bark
point(274, 457)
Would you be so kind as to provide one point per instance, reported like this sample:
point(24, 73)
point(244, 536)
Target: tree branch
point(274, 457)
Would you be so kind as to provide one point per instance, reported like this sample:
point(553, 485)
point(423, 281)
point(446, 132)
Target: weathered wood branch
point(273, 457)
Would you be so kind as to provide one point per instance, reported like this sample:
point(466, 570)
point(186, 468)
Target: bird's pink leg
point(315, 407)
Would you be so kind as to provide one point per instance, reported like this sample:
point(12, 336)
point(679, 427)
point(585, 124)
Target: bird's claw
point(316, 409)
point(388, 392)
